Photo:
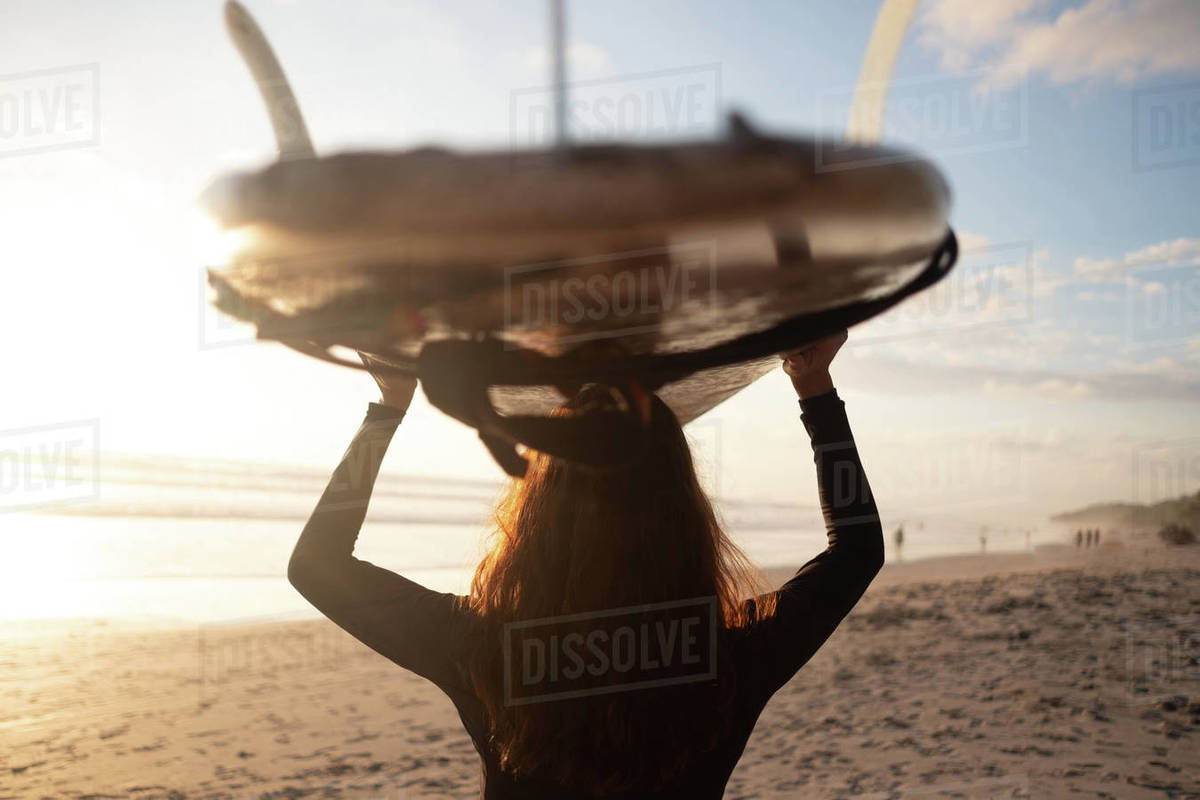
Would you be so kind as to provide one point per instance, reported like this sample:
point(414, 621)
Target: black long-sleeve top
point(429, 633)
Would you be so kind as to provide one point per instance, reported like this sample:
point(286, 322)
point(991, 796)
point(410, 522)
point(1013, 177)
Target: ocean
point(204, 541)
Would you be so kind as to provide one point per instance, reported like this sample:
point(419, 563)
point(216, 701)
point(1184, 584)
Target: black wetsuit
point(426, 632)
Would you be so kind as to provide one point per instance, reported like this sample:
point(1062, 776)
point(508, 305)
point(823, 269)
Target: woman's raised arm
point(810, 606)
point(413, 626)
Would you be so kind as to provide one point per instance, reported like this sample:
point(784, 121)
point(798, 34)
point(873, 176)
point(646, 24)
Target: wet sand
point(1060, 673)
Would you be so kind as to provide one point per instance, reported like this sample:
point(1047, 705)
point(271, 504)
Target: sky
point(1059, 366)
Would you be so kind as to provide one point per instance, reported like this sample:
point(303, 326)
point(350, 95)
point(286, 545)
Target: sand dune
point(1047, 675)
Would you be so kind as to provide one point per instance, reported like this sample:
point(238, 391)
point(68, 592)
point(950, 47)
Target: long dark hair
point(571, 539)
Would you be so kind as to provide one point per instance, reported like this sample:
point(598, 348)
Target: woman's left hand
point(396, 391)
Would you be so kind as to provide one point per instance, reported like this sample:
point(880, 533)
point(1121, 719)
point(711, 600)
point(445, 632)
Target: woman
point(600, 555)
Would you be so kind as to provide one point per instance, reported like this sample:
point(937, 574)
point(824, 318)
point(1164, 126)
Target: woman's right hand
point(809, 367)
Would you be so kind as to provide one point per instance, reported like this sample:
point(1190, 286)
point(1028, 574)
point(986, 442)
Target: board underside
point(590, 254)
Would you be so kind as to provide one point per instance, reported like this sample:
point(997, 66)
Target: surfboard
point(504, 279)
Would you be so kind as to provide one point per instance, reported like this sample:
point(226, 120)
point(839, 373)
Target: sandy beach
point(1058, 673)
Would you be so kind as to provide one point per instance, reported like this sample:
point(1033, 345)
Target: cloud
point(1096, 40)
point(1161, 367)
point(1192, 348)
point(966, 342)
point(1022, 344)
point(960, 31)
point(1089, 269)
point(1179, 252)
point(1161, 379)
point(969, 240)
point(1054, 388)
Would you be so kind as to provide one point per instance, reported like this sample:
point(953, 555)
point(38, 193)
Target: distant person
point(572, 541)
point(1078, 537)
point(1097, 537)
point(898, 536)
point(983, 542)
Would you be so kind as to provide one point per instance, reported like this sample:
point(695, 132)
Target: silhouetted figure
point(651, 536)
point(1097, 537)
point(898, 536)
point(983, 542)
point(1078, 537)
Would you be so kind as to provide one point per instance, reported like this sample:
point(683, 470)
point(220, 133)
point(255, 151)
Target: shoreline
point(931, 569)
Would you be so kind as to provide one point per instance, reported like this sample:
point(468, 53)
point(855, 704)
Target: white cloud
point(990, 372)
point(1162, 367)
point(1004, 282)
point(1053, 388)
point(1174, 253)
point(1023, 346)
point(1177, 252)
point(1118, 40)
point(1092, 269)
point(961, 30)
point(969, 240)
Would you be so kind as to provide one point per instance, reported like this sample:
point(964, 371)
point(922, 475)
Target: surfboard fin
point(291, 134)
point(740, 128)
